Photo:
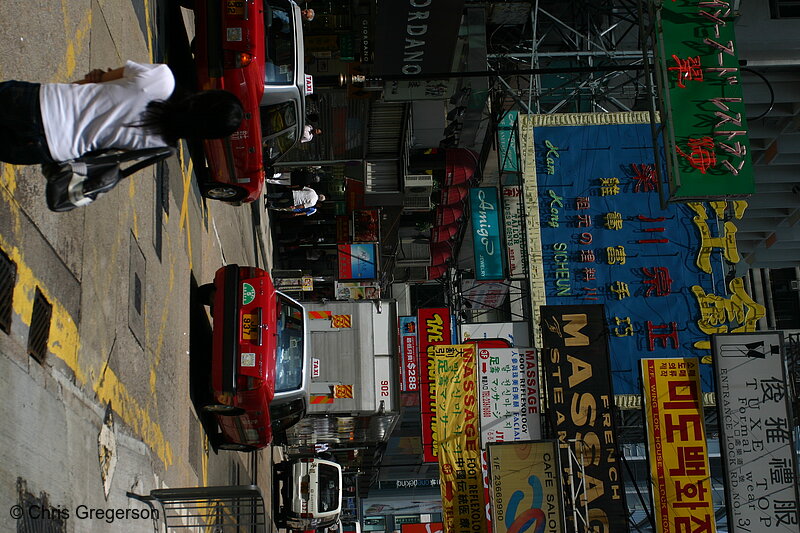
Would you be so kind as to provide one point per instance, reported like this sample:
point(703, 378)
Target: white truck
point(354, 390)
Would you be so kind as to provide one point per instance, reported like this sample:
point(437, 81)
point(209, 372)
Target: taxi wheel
point(236, 447)
point(206, 293)
point(222, 409)
point(223, 192)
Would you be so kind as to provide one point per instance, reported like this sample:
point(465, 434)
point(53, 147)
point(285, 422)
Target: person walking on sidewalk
point(128, 108)
point(292, 199)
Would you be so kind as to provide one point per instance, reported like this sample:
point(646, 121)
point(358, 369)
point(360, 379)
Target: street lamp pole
point(491, 73)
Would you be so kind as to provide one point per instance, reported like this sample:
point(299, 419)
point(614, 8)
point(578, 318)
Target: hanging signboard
point(508, 384)
point(676, 441)
point(459, 451)
point(605, 239)
point(485, 213)
point(507, 142)
point(358, 261)
point(409, 366)
point(756, 432)
point(514, 225)
point(525, 486)
point(434, 329)
point(581, 410)
point(415, 37)
point(707, 146)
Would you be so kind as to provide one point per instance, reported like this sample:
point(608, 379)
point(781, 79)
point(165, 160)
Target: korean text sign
point(577, 372)
point(756, 436)
point(677, 445)
point(509, 394)
point(463, 495)
point(525, 480)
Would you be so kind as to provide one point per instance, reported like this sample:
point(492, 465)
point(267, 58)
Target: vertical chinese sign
point(434, 329)
point(581, 411)
point(677, 445)
point(409, 366)
point(708, 150)
point(525, 478)
point(509, 394)
point(514, 226)
point(756, 432)
point(606, 240)
point(463, 495)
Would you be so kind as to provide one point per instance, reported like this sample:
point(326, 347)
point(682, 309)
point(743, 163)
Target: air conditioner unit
point(417, 192)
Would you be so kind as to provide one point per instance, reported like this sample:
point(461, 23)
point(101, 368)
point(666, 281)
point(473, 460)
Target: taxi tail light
point(234, 59)
point(248, 383)
point(247, 272)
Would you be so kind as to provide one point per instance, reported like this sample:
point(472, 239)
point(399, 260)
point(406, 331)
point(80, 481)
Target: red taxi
point(259, 365)
point(254, 49)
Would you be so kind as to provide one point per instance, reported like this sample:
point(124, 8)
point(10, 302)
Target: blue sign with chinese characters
point(606, 240)
point(485, 211)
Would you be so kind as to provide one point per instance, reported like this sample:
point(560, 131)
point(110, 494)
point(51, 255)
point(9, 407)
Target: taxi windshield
point(330, 495)
point(279, 129)
point(289, 357)
point(280, 47)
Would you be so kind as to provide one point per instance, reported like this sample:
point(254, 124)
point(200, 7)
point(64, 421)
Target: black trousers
point(22, 137)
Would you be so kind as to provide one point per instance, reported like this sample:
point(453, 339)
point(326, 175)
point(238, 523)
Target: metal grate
point(8, 277)
point(34, 514)
point(40, 327)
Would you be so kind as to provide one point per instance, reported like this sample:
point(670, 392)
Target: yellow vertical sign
point(463, 493)
point(677, 444)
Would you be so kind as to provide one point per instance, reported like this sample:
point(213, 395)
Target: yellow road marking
point(75, 46)
point(64, 339)
point(149, 30)
point(183, 221)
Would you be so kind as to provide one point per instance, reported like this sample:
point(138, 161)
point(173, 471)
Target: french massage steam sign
point(485, 211)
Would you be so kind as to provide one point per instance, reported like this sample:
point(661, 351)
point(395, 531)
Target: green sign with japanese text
point(706, 142)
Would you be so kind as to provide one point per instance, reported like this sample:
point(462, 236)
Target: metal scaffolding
point(577, 37)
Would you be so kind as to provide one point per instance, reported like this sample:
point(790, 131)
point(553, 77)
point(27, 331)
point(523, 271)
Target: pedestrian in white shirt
point(127, 108)
point(294, 199)
point(308, 133)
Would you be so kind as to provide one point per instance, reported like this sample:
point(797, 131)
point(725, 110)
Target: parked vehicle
point(260, 371)
point(254, 49)
point(310, 493)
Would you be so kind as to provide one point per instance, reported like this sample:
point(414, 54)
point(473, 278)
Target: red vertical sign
point(434, 329)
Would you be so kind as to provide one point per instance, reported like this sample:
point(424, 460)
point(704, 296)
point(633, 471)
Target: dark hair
point(205, 115)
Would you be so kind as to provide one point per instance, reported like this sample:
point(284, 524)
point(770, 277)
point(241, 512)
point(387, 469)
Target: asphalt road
point(119, 276)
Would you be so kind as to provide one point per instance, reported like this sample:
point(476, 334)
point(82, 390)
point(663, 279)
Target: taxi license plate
point(235, 7)
point(250, 327)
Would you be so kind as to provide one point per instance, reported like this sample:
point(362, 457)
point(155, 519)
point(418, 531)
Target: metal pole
point(491, 73)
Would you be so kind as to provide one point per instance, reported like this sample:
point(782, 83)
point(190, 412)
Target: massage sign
point(708, 150)
point(577, 370)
